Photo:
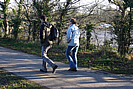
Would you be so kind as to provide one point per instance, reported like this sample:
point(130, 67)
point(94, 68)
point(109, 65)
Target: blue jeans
point(45, 59)
point(72, 60)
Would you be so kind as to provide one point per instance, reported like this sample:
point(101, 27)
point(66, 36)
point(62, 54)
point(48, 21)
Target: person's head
point(72, 21)
point(43, 18)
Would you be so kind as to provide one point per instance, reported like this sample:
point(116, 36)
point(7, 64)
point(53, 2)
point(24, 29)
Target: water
point(99, 36)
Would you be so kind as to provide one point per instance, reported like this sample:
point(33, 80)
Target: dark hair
point(43, 17)
point(73, 21)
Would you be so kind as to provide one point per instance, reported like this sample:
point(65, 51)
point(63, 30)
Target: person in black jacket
point(46, 44)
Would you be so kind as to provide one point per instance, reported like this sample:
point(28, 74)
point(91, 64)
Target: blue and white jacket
point(73, 34)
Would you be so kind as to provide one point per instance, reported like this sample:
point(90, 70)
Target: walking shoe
point(54, 69)
point(73, 69)
point(43, 70)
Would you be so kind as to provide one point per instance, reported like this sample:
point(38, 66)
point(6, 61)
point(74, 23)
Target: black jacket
point(45, 34)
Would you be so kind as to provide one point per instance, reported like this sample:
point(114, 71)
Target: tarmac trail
point(28, 66)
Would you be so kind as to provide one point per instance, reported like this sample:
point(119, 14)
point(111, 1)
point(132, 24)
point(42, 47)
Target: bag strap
point(45, 25)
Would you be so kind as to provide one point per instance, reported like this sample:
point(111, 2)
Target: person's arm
point(41, 33)
point(69, 35)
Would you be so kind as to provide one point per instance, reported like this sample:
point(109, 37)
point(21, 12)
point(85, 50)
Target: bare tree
point(28, 13)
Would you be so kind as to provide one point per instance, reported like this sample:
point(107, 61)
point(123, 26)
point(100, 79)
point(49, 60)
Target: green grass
point(12, 81)
point(99, 59)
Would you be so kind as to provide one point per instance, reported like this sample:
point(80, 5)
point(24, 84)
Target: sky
point(82, 2)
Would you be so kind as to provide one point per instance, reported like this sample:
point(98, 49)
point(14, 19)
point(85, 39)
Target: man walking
point(46, 45)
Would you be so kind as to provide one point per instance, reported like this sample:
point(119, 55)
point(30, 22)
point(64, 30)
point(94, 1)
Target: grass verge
point(11, 81)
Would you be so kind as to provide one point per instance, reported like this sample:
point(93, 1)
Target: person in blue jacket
point(73, 35)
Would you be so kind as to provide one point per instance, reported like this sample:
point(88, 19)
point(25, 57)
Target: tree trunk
point(5, 25)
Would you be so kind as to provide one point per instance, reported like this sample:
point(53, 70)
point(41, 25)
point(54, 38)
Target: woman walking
point(73, 34)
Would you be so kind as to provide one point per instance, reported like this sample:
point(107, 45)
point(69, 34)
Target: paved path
point(27, 65)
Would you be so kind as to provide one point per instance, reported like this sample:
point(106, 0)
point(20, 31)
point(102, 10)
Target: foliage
point(12, 81)
point(17, 20)
point(43, 7)
point(89, 27)
point(1, 22)
point(4, 6)
point(122, 24)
